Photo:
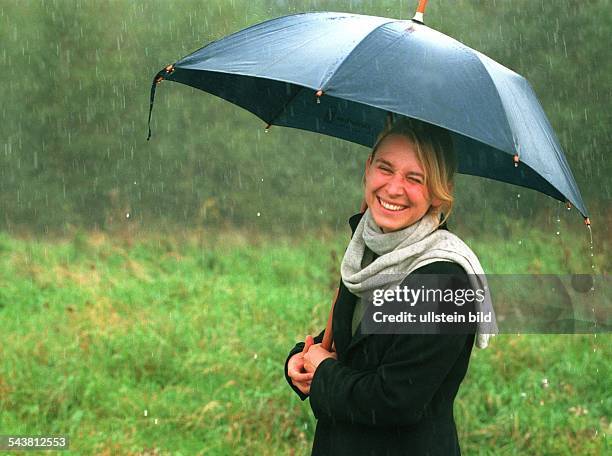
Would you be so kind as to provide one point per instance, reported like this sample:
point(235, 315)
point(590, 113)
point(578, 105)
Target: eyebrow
point(390, 165)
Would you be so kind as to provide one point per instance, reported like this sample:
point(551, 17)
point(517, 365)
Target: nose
point(395, 185)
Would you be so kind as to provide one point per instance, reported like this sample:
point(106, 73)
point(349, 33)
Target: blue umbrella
point(344, 75)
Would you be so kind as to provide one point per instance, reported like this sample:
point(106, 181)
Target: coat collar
point(344, 308)
point(354, 221)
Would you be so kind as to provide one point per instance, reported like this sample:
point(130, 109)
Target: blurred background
point(76, 79)
point(149, 291)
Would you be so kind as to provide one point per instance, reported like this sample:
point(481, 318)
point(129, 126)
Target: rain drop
point(591, 248)
point(259, 214)
point(127, 215)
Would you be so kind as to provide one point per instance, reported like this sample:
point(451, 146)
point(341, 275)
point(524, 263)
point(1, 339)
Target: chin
point(388, 225)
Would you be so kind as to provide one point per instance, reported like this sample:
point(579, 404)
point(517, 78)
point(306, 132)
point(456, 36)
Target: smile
point(389, 206)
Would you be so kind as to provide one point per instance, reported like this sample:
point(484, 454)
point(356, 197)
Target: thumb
point(309, 341)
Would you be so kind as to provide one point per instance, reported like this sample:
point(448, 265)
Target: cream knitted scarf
point(401, 252)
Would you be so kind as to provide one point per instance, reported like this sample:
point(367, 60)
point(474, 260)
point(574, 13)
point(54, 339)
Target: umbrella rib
point(305, 43)
point(281, 110)
point(331, 73)
point(561, 160)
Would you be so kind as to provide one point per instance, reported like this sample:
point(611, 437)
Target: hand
point(295, 369)
point(315, 355)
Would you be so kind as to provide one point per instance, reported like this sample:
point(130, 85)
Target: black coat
point(387, 394)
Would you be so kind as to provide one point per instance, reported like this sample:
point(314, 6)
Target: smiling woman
point(393, 393)
point(409, 173)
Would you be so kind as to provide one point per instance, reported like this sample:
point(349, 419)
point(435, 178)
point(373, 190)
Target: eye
point(414, 179)
point(385, 170)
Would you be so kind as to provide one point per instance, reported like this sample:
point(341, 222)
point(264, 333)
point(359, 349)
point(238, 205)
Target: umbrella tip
point(587, 221)
point(319, 94)
point(516, 160)
point(420, 12)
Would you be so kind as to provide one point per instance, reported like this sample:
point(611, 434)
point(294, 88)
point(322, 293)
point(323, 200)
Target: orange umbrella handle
point(418, 16)
point(328, 336)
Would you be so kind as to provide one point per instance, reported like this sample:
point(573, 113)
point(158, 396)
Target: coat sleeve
point(398, 391)
point(298, 348)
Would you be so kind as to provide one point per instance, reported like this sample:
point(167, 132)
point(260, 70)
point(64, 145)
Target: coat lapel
point(343, 311)
point(343, 314)
point(342, 322)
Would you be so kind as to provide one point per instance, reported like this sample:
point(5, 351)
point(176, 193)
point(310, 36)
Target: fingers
point(308, 343)
point(301, 376)
point(295, 364)
point(304, 387)
point(309, 367)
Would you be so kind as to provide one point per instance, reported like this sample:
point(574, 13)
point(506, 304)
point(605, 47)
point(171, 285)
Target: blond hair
point(435, 152)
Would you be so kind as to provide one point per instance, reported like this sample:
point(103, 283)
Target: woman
point(388, 394)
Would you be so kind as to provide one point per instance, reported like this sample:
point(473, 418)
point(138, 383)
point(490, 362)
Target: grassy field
point(175, 345)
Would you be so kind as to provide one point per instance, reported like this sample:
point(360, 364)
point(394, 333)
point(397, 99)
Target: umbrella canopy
point(343, 74)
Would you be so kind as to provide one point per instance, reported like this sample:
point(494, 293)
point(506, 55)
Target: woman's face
point(394, 190)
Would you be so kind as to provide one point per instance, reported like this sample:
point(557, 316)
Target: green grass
point(194, 328)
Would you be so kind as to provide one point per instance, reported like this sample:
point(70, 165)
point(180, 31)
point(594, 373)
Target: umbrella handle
point(328, 335)
point(420, 11)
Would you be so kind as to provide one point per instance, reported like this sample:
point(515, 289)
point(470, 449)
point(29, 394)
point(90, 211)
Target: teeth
point(391, 207)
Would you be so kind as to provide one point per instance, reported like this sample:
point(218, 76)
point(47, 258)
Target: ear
point(436, 203)
point(365, 170)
